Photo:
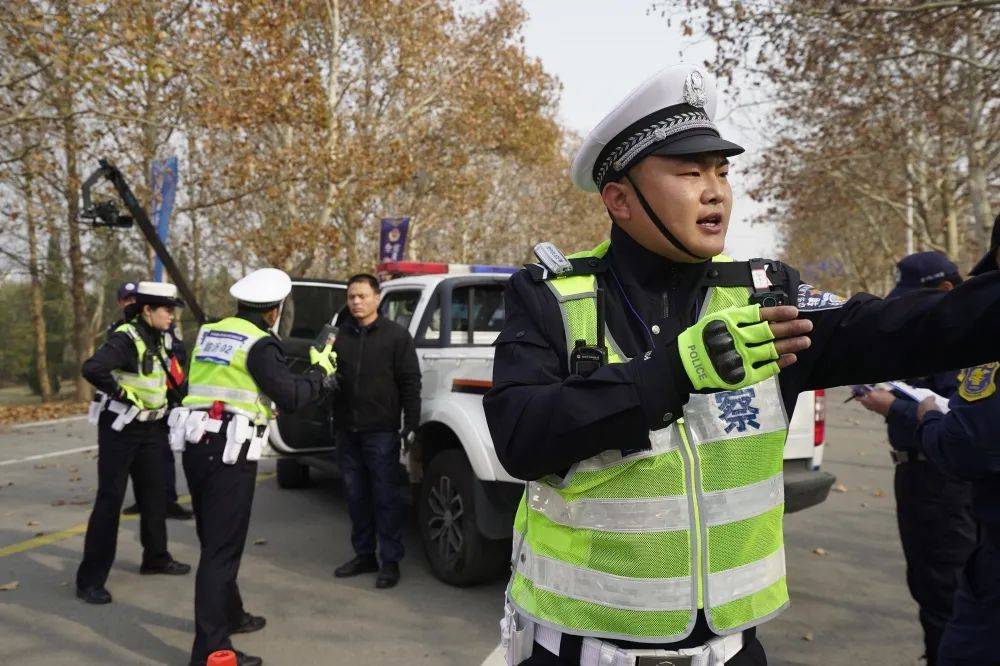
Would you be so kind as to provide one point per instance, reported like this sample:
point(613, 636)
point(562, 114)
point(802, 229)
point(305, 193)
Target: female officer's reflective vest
point(631, 545)
point(151, 388)
point(219, 370)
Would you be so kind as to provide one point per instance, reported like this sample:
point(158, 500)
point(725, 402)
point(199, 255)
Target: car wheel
point(292, 473)
point(458, 553)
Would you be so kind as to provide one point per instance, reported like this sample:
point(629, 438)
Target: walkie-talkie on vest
point(585, 359)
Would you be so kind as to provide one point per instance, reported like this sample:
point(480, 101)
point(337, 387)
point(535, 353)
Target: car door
point(311, 305)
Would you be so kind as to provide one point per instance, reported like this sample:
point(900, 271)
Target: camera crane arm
point(105, 214)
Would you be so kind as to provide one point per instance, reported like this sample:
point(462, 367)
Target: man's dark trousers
point(369, 465)
point(221, 496)
point(135, 449)
point(938, 533)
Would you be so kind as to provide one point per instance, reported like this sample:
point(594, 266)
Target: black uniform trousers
point(971, 634)
point(221, 496)
point(938, 534)
point(752, 654)
point(136, 449)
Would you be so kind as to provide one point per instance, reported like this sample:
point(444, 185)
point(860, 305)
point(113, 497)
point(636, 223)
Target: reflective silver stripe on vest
point(728, 506)
point(138, 381)
point(660, 441)
point(650, 594)
point(755, 410)
point(659, 514)
point(732, 584)
point(217, 393)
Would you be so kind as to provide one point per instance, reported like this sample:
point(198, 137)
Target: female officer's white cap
point(263, 289)
point(671, 113)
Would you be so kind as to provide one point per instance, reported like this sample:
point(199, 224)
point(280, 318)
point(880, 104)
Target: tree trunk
point(37, 297)
point(978, 189)
point(71, 186)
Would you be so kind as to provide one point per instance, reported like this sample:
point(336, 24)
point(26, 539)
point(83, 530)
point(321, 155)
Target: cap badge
point(694, 89)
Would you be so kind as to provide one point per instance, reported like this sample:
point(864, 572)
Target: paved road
point(849, 606)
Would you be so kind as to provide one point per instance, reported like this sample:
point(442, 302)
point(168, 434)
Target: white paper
point(919, 394)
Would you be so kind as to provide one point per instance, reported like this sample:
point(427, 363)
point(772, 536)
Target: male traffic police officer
point(652, 517)
point(238, 368)
point(965, 443)
point(129, 371)
point(936, 526)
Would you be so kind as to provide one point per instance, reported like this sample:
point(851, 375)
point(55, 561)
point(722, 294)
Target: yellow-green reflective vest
point(219, 370)
point(151, 389)
point(632, 546)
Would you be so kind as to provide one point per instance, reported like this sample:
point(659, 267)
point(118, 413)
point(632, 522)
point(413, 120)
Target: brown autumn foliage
point(878, 118)
point(297, 123)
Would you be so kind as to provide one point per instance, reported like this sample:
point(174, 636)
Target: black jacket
point(543, 420)
point(378, 375)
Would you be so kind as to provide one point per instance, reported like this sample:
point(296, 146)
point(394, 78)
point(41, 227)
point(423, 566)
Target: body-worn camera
point(769, 299)
point(584, 359)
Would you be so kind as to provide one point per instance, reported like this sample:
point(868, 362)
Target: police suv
point(465, 501)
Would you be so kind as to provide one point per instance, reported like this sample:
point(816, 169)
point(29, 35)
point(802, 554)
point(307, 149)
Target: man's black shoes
point(361, 564)
point(94, 595)
point(388, 575)
point(249, 624)
point(132, 510)
point(177, 512)
point(171, 568)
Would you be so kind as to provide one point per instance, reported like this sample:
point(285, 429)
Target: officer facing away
point(238, 369)
point(936, 527)
point(651, 430)
point(129, 371)
point(965, 444)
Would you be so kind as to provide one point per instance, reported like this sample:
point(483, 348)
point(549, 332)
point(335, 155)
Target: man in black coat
point(379, 377)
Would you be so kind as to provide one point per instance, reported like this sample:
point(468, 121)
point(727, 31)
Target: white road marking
point(496, 658)
point(42, 456)
point(65, 419)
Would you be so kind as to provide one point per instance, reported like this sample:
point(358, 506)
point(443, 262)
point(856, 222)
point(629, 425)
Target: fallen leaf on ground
point(260, 542)
point(820, 551)
point(878, 493)
point(808, 636)
point(41, 412)
point(73, 469)
point(40, 465)
point(58, 502)
point(864, 505)
point(74, 478)
point(8, 587)
point(31, 523)
point(80, 502)
point(840, 488)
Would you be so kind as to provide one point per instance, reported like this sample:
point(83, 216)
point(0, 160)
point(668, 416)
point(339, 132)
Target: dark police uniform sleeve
point(117, 353)
point(543, 422)
point(902, 417)
point(867, 339)
point(965, 442)
point(268, 366)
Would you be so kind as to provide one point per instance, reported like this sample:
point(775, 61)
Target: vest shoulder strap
point(589, 262)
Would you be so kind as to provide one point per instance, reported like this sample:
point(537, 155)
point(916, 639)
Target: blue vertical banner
point(392, 240)
point(164, 179)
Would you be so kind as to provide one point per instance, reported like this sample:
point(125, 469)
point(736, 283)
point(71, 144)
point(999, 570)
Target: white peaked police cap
point(671, 113)
point(262, 289)
point(157, 293)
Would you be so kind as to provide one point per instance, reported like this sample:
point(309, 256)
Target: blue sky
point(600, 50)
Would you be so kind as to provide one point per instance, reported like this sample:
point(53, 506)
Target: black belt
point(899, 457)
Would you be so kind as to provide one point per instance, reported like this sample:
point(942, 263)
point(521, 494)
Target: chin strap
point(659, 225)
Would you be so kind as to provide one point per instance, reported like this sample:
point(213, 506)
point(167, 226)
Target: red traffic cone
point(221, 658)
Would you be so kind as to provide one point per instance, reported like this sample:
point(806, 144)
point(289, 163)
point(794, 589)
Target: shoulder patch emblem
point(979, 382)
point(811, 299)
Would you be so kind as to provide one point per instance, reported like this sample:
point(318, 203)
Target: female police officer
point(129, 369)
point(650, 530)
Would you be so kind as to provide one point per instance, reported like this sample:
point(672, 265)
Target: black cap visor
point(157, 301)
point(695, 142)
